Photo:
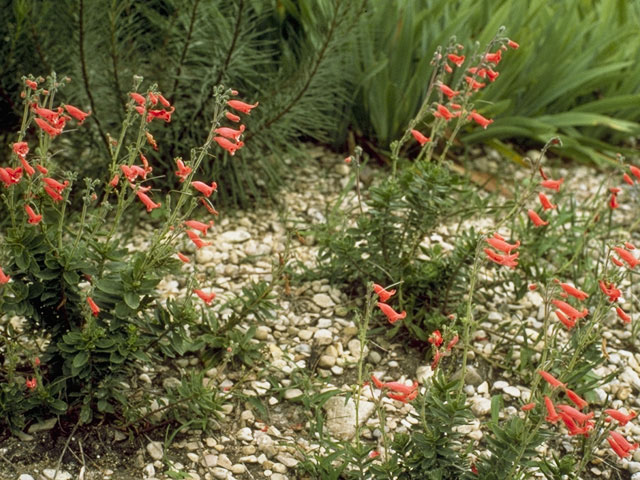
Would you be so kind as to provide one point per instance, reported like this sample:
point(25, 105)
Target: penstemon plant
point(80, 308)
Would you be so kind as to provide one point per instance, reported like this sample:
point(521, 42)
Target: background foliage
point(321, 68)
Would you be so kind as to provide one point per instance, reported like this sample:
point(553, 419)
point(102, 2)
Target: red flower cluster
point(227, 136)
point(399, 391)
point(498, 242)
point(384, 295)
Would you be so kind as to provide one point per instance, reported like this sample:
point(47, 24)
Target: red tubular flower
point(42, 170)
point(617, 448)
point(574, 292)
point(535, 218)
point(455, 106)
point(627, 179)
point(27, 168)
point(492, 74)
point(129, 172)
point(139, 99)
point(164, 101)
point(436, 360)
point(458, 60)
point(114, 181)
point(151, 141)
point(576, 415)
point(533, 286)
point(420, 138)
point(435, 338)
point(635, 171)
point(513, 44)
point(528, 406)
point(183, 171)
point(31, 84)
point(576, 399)
point(617, 262)
point(443, 112)
point(506, 260)
point(4, 279)
point(208, 206)
point(617, 415)
point(613, 201)
point(546, 203)
point(627, 256)
point(230, 132)
point(569, 310)
point(479, 119)
point(146, 200)
point(391, 314)
point(55, 185)
point(448, 91)
point(552, 184)
point(629, 246)
point(610, 290)
point(232, 117)
point(374, 454)
point(494, 57)
point(382, 293)
point(48, 128)
point(160, 114)
point(206, 297)
point(33, 218)
point(241, 106)
point(199, 243)
point(620, 440)
point(475, 85)
point(205, 189)
point(501, 245)
point(55, 196)
point(552, 415)
point(92, 305)
point(567, 322)
point(76, 113)
point(153, 98)
point(201, 227)
point(227, 145)
point(21, 149)
point(452, 343)
point(447, 68)
point(551, 380)
point(183, 257)
point(31, 383)
point(623, 316)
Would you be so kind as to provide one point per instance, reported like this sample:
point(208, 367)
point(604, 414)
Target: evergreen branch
point(319, 59)
point(184, 50)
point(85, 75)
point(236, 34)
point(114, 56)
point(225, 65)
point(36, 43)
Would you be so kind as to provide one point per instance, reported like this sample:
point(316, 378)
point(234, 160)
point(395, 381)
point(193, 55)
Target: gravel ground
point(313, 330)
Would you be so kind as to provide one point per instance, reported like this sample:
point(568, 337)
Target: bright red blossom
point(33, 218)
point(391, 314)
point(31, 383)
point(95, 310)
point(76, 113)
point(551, 380)
point(183, 171)
point(435, 338)
point(420, 138)
point(545, 202)
point(146, 200)
point(206, 297)
point(573, 291)
point(21, 149)
point(458, 60)
point(627, 256)
point(448, 91)
point(382, 292)
point(620, 417)
point(569, 310)
point(205, 189)
point(535, 218)
point(623, 316)
point(241, 106)
point(552, 184)
point(4, 279)
point(479, 119)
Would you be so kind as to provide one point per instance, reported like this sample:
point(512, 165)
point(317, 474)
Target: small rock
point(287, 460)
point(513, 391)
point(480, 406)
point(61, 475)
point(221, 473)
point(337, 370)
point(323, 336)
point(305, 334)
point(25, 476)
point(483, 388)
point(43, 426)
point(292, 393)
point(262, 332)
point(423, 373)
point(323, 300)
point(234, 236)
point(326, 361)
point(500, 385)
point(634, 467)
point(375, 358)
point(143, 377)
point(324, 323)
point(209, 460)
point(238, 469)
point(279, 468)
point(205, 255)
point(248, 459)
point(149, 470)
point(245, 434)
point(170, 383)
point(224, 462)
point(341, 417)
point(155, 450)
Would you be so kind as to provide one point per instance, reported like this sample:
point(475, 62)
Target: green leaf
point(80, 359)
point(132, 300)
point(71, 277)
point(496, 405)
point(58, 406)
